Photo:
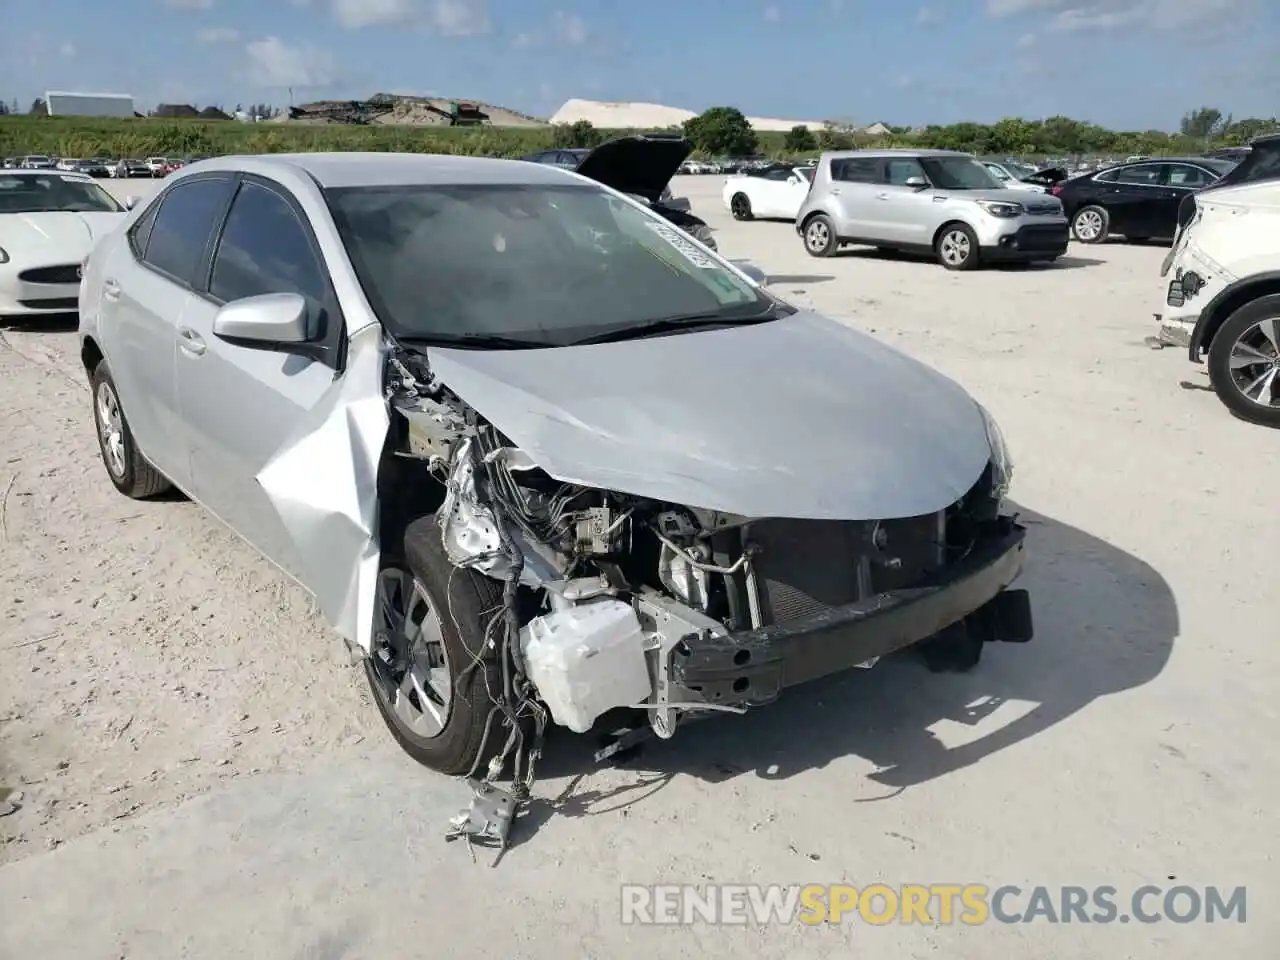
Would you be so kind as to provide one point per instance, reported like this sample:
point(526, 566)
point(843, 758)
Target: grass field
point(111, 137)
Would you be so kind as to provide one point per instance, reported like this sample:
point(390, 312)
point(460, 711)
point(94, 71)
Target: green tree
point(1204, 122)
point(578, 134)
point(799, 139)
point(39, 108)
point(722, 131)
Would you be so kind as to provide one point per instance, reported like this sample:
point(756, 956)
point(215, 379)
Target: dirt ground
point(147, 656)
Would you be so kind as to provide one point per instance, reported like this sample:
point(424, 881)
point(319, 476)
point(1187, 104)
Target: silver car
point(506, 425)
point(934, 201)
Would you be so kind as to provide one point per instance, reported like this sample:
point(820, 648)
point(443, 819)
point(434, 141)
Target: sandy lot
point(199, 775)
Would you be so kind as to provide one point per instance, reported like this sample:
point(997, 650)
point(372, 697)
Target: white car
point(771, 193)
point(49, 222)
point(1012, 175)
point(1218, 293)
point(156, 165)
point(69, 164)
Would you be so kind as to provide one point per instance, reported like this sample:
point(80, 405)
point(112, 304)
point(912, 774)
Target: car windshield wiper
point(654, 328)
point(475, 341)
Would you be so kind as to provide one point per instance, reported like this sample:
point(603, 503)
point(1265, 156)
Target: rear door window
point(1143, 174)
point(182, 228)
point(1187, 175)
point(856, 169)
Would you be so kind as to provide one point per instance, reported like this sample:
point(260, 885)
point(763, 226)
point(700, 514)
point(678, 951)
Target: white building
point(63, 104)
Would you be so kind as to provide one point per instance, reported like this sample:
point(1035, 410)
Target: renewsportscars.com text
point(939, 903)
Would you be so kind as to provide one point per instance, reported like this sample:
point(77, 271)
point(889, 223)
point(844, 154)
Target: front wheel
point(429, 670)
point(820, 238)
point(1244, 362)
point(957, 247)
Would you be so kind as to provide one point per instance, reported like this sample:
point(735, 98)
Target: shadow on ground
point(46, 323)
point(1105, 623)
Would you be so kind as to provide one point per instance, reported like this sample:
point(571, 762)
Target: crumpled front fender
point(323, 482)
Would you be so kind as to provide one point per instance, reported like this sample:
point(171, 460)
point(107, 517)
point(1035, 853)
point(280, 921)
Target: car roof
point(895, 152)
point(40, 173)
point(392, 169)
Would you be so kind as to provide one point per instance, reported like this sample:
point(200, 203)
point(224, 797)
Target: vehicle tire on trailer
point(1091, 225)
point(820, 238)
point(429, 670)
point(128, 469)
point(957, 247)
point(1244, 361)
point(740, 207)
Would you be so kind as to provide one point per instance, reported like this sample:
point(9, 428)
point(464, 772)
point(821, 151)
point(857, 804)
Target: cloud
point(188, 4)
point(1026, 41)
point(1074, 16)
point(67, 50)
point(772, 14)
point(274, 63)
point(571, 29)
point(218, 35)
point(451, 18)
point(927, 16)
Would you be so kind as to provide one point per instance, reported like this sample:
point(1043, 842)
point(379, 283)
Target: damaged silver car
point(538, 454)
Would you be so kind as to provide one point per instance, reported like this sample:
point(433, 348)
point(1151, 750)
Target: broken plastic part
point(487, 820)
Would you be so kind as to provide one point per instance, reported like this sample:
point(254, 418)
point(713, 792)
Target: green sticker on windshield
point(683, 245)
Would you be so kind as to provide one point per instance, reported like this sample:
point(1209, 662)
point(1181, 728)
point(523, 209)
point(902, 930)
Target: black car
point(641, 166)
point(1139, 200)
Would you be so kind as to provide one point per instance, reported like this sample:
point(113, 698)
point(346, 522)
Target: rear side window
point(140, 232)
point(856, 170)
point(1144, 174)
point(265, 249)
point(182, 226)
point(1187, 175)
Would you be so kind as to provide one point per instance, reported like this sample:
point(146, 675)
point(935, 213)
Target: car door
point(147, 284)
point(242, 404)
point(793, 192)
point(766, 193)
point(1130, 194)
point(904, 215)
point(852, 195)
point(1178, 181)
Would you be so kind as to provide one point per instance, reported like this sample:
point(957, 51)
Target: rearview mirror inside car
point(917, 182)
point(271, 321)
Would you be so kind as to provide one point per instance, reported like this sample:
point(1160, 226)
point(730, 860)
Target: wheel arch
point(1227, 302)
point(90, 355)
point(953, 222)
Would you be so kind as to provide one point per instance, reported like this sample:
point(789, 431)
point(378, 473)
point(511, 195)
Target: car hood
point(640, 165)
point(800, 417)
point(70, 234)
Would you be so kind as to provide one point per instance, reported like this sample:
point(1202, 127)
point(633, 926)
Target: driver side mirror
point(272, 321)
point(754, 273)
point(131, 202)
point(916, 183)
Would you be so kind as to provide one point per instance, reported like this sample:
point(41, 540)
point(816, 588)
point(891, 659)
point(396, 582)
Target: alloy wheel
point(955, 248)
point(1255, 363)
point(1088, 225)
point(817, 236)
point(111, 429)
point(410, 659)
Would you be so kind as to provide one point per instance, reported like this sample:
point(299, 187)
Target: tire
point(1091, 224)
point(1239, 339)
point(820, 238)
point(740, 207)
point(463, 602)
point(957, 247)
point(128, 469)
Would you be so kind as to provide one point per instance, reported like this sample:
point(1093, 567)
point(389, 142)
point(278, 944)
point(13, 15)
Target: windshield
point(542, 265)
point(47, 194)
point(958, 173)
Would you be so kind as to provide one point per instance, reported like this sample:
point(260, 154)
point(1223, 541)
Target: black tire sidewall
point(128, 481)
point(1106, 224)
point(456, 748)
point(1219, 360)
point(746, 206)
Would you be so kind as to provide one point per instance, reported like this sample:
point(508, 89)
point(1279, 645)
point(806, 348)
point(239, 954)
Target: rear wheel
point(820, 237)
point(1244, 362)
point(128, 469)
point(1091, 225)
point(429, 670)
point(740, 206)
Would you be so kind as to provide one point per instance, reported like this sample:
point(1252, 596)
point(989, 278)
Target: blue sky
point(1122, 63)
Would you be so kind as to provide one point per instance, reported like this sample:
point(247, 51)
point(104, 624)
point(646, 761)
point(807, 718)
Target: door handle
point(111, 289)
point(191, 342)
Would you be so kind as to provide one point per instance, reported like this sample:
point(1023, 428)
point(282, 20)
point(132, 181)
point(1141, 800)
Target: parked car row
point(100, 167)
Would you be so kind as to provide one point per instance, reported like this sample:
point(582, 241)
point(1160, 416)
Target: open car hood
point(1047, 177)
point(801, 417)
point(642, 165)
